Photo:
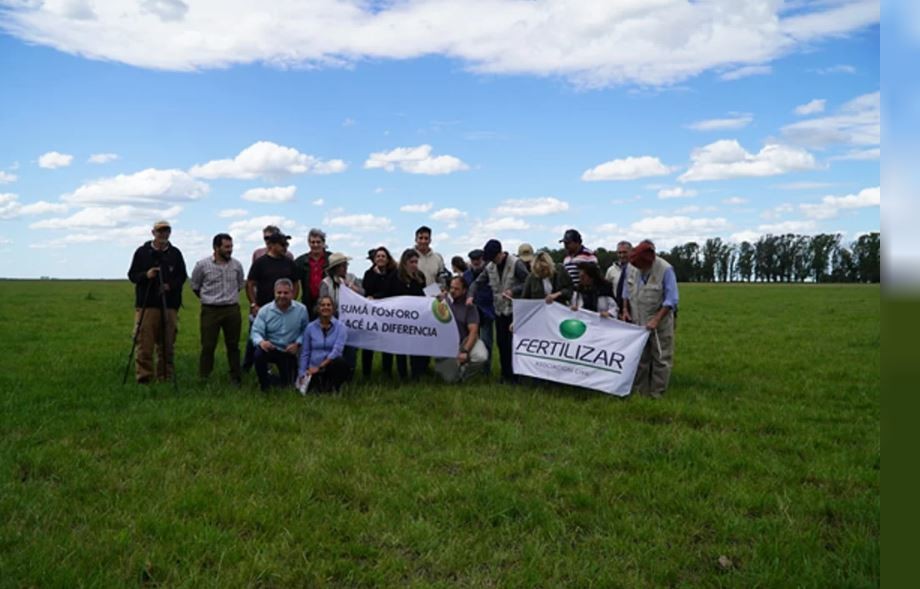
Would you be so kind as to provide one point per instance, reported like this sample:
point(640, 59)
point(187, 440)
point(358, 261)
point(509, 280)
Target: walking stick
point(137, 332)
point(167, 346)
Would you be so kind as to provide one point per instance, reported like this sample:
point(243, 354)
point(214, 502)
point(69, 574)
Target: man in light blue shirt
point(276, 334)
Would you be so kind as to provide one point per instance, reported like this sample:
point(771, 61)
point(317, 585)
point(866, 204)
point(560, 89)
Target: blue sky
point(667, 120)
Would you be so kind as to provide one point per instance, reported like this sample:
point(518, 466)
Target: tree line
point(772, 258)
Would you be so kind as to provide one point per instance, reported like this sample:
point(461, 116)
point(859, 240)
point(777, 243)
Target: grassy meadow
point(760, 468)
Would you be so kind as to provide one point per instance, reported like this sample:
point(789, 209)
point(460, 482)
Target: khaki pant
point(657, 360)
point(150, 338)
point(213, 320)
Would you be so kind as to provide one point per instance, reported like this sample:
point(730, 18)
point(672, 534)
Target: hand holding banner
point(418, 326)
point(576, 347)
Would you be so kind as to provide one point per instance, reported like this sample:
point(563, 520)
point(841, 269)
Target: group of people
point(307, 343)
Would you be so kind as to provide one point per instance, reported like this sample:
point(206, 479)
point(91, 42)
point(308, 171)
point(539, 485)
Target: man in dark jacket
point(483, 302)
point(158, 272)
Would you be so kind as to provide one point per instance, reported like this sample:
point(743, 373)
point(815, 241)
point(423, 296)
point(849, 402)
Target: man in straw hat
point(650, 299)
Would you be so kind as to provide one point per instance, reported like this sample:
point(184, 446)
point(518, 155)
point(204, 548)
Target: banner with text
point(580, 348)
point(420, 326)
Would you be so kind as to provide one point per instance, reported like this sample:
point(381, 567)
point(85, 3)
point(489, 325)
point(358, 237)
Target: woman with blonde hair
point(548, 281)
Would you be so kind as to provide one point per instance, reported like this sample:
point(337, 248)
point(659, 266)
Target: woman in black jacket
point(548, 281)
point(376, 286)
point(407, 280)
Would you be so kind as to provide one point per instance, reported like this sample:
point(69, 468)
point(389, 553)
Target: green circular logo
point(441, 311)
point(572, 328)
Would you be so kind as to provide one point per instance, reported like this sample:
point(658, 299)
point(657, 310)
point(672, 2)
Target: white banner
point(576, 347)
point(419, 326)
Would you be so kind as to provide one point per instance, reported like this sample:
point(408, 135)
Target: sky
point(660, 119)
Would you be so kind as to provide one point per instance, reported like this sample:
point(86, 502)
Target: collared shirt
point(431, 265)
point(668, 287)
point(571, 263)
point(218, 284)
point(464, 316)
point(281, 328)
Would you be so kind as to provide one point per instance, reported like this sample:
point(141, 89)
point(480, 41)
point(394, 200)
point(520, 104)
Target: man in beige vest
point(650, 299)
point(505, 274)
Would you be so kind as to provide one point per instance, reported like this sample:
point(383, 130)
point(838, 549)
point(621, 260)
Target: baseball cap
point(571, 235)
point(277, 238)
point(475, 254)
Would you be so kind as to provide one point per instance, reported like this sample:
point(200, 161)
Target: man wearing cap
point(617, 274)
point(430, 262)
point(157, 269)
point(261, 251)
point(505, 274)
point(312, 267)
point(484, 303)
point(525, 254)
point(265, 271)
point(575, 254)
point(650, 300)
point(276, 335)
point(217, 280)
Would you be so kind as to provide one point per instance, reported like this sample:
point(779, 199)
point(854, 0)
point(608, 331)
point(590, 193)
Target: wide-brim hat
point(337, 259)
point(525, 252)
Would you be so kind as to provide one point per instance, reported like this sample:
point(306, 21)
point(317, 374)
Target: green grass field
point(766, 451)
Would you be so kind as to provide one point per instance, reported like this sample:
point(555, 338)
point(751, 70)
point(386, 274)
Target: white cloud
point(232, 213)
point(629, 168)
point(747, 235)
point(837, 69)
point(43, 207)
point(318, 202)
point(788, 227)
point(860, 154)
point(735, 122)
point(812, 107)
point(118, 216)
point(676, 192)
point(272, 194)
point(777, 211)
point(102, 158)
point(250, 230)
point(664, 230)
point(747, 71)
point(735, 201)
point(349, 122)
point(6, 177)
point(857, 122)
point(360, 222)
point(830, 206)
point(417, 208)
point(523, 207)
point(803, 185)
point(54, 159)
point(590, 43)
point(150, 186)
point(505, 224)
point(415, 160)
point(265, 159)
point(448, 215)
point(726, 159)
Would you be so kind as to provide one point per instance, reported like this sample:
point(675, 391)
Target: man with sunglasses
point(157, 268)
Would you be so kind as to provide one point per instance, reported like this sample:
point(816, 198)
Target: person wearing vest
point(506, 275)
point(650, 300)
point(483, 303)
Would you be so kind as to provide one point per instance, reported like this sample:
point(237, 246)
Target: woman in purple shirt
point(321, 350)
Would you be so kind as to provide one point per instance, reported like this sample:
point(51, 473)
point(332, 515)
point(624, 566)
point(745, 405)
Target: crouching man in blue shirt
point(276, 335)
point(322, 368)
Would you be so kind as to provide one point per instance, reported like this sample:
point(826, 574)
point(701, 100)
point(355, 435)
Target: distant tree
point(823, 247)
point(605, 258)
point(867, 257)
point(801, 261)
point(711, 252)
point(727, 259)
point(745, 261)
point(843, 267)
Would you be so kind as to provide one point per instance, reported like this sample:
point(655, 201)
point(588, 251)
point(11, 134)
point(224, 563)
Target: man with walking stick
point(158, 273)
